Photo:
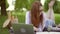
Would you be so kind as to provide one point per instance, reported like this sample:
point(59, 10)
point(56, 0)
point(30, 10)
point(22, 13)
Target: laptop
point(23, 29)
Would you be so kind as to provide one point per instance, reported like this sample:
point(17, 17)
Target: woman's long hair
point(36, 18)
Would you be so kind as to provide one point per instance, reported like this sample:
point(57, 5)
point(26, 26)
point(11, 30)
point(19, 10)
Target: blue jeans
point(48, 23)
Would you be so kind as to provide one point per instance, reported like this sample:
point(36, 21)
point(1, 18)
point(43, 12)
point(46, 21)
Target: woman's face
point(41, 9)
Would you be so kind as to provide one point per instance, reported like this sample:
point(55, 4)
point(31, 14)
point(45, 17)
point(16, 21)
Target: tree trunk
point(3, 8)
point(0, 2)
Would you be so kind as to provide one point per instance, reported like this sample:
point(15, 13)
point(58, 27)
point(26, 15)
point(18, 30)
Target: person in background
point(8, 23)
point(50, 22)
point(14, 19)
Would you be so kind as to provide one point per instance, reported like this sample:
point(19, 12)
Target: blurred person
point(51, 11)
point(50, 22)
point(15, 20)
point(8, 23)
point(36, 17)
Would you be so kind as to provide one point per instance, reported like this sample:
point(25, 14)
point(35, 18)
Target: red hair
point(35, 12)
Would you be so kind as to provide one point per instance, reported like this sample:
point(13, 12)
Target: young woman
point(36, 16)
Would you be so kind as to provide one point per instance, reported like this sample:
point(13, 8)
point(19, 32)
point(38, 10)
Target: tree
point(55, 7)
point(3, 8)
point(19, 4)
point(4, 5)
point(0, 2)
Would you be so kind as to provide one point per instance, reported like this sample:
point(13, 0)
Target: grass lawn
point(21, 18)
point(57, 18)
point(3, 31)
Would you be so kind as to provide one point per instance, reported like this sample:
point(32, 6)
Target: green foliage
point(55, 7)
point(20, 15)
point(7, 5)
point(58, 6)
point(23, 4)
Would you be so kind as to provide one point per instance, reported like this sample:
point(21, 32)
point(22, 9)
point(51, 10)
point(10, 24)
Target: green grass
point(3, 31)
point(21, 18)
point(57, 18)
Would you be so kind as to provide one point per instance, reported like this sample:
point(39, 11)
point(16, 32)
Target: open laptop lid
point(23, 29)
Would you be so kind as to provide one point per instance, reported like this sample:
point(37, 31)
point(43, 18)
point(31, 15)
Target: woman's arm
point(28, 21)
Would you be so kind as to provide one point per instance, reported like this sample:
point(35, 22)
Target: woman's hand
point(35, 29)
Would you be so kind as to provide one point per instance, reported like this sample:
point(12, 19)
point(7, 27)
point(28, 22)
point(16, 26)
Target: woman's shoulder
point(28, 12)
